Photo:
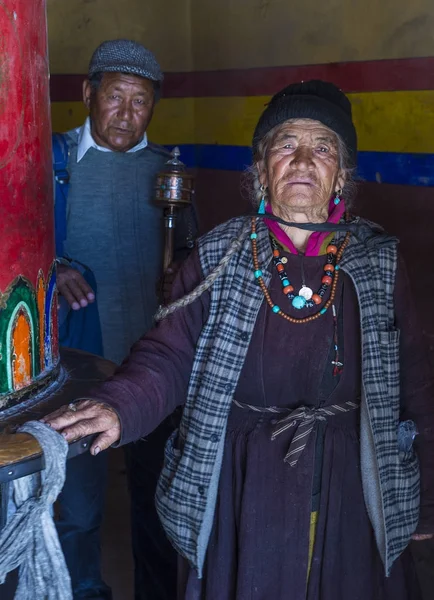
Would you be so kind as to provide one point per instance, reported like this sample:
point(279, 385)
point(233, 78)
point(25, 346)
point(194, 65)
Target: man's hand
point(73, 287)
point(76, 421)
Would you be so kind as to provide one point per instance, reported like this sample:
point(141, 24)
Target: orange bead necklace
point(330, 278)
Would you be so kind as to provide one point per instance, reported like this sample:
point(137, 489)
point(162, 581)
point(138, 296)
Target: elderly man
point(111, 225)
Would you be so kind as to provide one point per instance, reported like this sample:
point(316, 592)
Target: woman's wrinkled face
point(301, 168)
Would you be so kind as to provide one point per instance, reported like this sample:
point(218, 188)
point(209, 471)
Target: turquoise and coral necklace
point(305, 297)
point(330, 279)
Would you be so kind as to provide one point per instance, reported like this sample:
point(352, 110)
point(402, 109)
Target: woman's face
point(301, 169)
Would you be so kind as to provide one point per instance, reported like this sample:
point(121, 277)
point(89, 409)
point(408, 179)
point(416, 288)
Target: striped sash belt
point(303, 419)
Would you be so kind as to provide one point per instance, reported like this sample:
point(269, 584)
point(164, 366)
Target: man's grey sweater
point(114, 228)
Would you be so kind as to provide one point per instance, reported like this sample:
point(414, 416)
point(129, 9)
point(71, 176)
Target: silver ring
point(72, 407)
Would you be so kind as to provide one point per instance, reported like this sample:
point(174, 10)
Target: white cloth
point(86, 141)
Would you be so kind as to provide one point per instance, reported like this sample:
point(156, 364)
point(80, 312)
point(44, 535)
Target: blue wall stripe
point(398, 168)
point(383, 167)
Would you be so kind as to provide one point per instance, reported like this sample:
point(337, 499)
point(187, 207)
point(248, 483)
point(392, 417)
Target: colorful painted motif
point(28, 332)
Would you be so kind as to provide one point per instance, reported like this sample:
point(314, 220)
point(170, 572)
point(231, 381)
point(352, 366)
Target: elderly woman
point(293, 474)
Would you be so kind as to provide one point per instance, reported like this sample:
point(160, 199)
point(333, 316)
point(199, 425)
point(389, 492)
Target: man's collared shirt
point(86, 141)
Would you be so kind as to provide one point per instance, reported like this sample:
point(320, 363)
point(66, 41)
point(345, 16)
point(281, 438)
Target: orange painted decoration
point(21, 349)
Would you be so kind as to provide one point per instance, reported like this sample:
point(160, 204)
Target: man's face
point(120, 110)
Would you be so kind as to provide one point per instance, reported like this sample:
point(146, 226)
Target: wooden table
point(20, 454)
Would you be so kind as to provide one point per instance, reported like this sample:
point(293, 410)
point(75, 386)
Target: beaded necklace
point(306, 298)
point(333, 283)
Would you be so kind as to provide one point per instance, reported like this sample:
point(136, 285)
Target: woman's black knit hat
point(318, 100)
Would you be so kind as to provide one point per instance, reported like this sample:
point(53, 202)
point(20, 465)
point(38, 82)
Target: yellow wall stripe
point(400, 121)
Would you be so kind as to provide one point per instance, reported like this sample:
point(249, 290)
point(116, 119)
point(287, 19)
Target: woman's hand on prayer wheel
point(78, 420)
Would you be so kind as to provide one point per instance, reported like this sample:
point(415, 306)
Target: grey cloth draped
point(29, 541)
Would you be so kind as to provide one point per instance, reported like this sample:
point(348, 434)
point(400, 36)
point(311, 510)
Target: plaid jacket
point(187, 490)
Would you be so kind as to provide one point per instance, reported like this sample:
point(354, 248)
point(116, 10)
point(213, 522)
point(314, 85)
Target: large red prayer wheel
point(29, 357)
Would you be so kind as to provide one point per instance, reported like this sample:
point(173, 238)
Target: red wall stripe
point(366, 76)
point(66, 88)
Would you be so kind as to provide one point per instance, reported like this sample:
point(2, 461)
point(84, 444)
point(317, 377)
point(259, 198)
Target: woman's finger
point(84, 418)
point(69, 415)
point(65, 417)
point(86, 427)
point(104, 441)
point(54, 415)
point(70, 408)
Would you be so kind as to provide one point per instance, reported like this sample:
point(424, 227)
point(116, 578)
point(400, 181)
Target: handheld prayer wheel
point(174, 190)
point(29, 354)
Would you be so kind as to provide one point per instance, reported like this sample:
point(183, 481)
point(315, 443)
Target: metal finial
point(174, 163)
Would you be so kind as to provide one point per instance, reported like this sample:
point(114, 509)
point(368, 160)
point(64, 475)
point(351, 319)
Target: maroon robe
point(259, 543)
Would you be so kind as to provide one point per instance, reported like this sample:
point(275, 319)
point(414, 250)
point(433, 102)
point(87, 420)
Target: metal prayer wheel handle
point(169, 238)
point(174, 190)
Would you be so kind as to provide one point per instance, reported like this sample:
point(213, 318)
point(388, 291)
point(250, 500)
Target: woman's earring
point(337, 197)
point(261, 209)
